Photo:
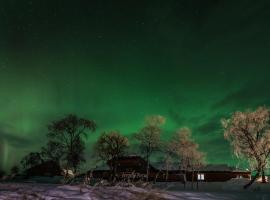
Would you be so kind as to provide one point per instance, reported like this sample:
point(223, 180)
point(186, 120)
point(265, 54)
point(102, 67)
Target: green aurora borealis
point(115, 62)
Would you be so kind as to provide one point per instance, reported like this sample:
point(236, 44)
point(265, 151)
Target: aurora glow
point(116, 62)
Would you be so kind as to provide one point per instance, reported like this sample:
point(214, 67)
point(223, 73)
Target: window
point(200, 177)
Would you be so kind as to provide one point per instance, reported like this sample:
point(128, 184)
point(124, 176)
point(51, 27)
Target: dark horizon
point(192, 62)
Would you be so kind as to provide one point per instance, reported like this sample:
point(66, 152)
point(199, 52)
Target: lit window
point(201, 177)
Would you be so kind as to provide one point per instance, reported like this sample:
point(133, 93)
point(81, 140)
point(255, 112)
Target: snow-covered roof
point(217, 167)
point(210, 167)
point(221, 168)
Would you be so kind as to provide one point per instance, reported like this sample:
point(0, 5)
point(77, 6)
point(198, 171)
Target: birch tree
point(187, 152)
point(149, 137)
point(249, 135)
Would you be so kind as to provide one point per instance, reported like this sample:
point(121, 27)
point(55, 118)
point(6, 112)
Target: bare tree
point(196, 162)
point(68, 134)
point(15, 170)
point(168, 163)
point(187, 152)
point(167, 157)
point(110, 146)
point(149, 137)
point(249, 135)
point(2, 173)
point(32, 159)
point(53, 151)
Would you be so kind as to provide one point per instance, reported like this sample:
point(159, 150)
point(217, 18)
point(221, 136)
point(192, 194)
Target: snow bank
point(14, 191)
point(234, 185)
point(78, 192)
point(237, 185)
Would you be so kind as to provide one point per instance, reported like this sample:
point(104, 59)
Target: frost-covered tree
point(166, 158)
point(187, 152)
point(249, 135)
point(197, 161)
point(149, 137)
point(110, 146)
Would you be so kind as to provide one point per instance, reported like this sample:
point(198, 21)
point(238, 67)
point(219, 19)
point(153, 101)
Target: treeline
point(66, 145)
point(248, 133)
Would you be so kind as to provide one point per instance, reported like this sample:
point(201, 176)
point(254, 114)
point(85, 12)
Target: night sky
point(116, 62)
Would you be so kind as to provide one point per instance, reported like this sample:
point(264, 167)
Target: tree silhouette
point(15, 170)
point(110, 146)
point(2, 173)
point(67, 134)
point(53, 151)
point(31, 160)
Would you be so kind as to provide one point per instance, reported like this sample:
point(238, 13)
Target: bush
point(2, 173)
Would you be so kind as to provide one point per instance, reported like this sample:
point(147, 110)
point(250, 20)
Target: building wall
point(174, 176)
point(218, 176)
point(135, 168)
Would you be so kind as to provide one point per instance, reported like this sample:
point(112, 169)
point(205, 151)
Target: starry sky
point(116, 62)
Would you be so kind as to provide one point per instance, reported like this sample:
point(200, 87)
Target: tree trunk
point(115, 162)
point(156, 177)
point(263, 177)
point(185, 180)
point(197, 180)
point(252, 180)
point(114, 172)
point(147, 171)
point(192, 181)
point(148, 165)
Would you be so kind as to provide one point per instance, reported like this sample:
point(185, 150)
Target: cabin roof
point(206, 168)
point(217, 167)
point(174, 166)
point(221, 168)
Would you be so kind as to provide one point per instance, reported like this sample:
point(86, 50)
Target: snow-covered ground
point(50, 192)
point(234, 185)
point(173, 191)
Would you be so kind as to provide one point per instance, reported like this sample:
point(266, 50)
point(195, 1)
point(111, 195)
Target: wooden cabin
point(135, 167)
point(217, 176)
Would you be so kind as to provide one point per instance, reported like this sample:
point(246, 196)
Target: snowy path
point(57, 192)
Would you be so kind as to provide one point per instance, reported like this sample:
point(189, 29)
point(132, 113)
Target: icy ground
point(173, 191)
point(24, 191)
